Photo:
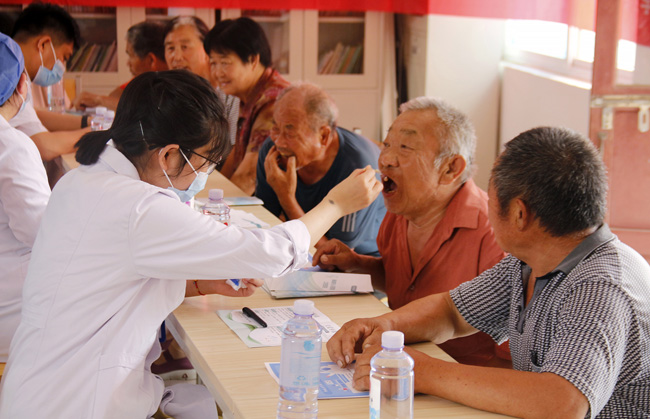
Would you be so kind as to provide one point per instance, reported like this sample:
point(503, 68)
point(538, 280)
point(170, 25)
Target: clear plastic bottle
point(97, 120)
point(300, 364)
point(108, 119)
point(216, 207)
point(391, 379)
point(56, 97)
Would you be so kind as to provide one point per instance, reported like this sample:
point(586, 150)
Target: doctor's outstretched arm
point(354, 193)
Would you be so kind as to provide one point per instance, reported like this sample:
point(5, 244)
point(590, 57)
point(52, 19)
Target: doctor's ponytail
point(90, 146)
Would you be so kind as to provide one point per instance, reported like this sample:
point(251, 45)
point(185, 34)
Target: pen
point(250, 313)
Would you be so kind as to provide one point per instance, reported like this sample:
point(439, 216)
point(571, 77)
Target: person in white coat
point(24, 192)
point(117, 245)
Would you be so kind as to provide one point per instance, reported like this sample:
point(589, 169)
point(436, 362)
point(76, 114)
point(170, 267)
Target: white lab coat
point(109, 264)
point(24, 193)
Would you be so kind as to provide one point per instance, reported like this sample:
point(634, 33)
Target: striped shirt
point(588, 321)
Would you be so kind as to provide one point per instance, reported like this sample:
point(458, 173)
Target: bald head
point(318, 106)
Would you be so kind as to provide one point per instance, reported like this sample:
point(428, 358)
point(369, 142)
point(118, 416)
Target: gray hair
point(319, 106)
point(558, 174)
point(146, 37)
point(193, 21)
point(455, 132)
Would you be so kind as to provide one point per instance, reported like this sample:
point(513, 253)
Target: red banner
point(553, 10)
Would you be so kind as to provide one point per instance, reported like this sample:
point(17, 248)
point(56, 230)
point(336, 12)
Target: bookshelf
point(300, 41)
point(339, 51)
point(103, 32)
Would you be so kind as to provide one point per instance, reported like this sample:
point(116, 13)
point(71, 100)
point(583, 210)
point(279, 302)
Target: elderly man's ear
point(451, 169)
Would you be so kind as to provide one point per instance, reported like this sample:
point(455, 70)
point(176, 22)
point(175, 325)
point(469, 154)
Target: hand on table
point(359, 340)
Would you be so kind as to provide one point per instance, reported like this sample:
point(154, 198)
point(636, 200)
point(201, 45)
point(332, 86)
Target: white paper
point(255, 336)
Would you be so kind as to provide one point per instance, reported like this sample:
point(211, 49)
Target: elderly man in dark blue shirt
point(306, 156)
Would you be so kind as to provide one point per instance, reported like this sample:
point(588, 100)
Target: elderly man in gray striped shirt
point(572, 299)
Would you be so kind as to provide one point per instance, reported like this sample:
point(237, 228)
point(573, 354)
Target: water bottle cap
point(215, 194)
point(392, 339)
point(303, 307)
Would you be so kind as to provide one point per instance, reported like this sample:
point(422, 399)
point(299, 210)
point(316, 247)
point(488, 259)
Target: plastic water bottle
point(56, 97)
point(391, 379)
point(300, 364)
point(108, 119)
point(97, 120)
point(216, 207)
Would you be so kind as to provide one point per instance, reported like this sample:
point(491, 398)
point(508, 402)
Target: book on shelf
point(92, 56)
point(107, 52)
point(341, 60)
point(356, 63)
point(112, 64)
point(72, 63)
point(83, 58)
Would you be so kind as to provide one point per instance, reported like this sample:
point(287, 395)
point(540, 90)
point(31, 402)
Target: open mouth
point(389, 184)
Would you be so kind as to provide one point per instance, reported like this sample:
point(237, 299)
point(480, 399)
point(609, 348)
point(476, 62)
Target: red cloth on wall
point(555, 10)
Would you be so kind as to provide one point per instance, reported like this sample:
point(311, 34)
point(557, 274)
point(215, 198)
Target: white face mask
point(23, 105)
point(197, 185)
point(46, 77)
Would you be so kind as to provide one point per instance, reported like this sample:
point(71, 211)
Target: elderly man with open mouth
point(436, 234)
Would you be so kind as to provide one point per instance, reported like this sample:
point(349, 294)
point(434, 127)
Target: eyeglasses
point(213, 164)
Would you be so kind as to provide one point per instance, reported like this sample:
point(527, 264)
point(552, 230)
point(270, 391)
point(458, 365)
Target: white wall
point(457, 59)
point(532, 98)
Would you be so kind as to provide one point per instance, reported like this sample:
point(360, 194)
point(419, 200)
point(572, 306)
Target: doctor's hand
point(355, 192)
point(219, 286)
point(335, 255)
point(283, 182)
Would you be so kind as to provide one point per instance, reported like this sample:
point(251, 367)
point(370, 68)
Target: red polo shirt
point(461, 247)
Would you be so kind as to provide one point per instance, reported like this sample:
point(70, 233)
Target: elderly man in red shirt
point(436, 233)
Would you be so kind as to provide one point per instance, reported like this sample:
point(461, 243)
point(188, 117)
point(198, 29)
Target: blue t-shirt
point(357, 230)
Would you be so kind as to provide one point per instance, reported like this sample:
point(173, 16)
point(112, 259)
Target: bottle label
point(375, 397)
point(303, 368)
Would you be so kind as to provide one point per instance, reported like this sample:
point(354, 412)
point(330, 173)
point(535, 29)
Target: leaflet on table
point(312, 282)
point(335, 382)
point(255, 336)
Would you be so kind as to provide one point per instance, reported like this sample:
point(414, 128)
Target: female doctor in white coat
point(116, 246)
point(24, 192)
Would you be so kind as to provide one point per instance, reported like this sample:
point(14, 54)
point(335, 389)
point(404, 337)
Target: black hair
point(6, 23)
point(558, 174)
point(194, 21)
point(172, 107)
point(146, 37)
point(39, 18)
point(243, 36)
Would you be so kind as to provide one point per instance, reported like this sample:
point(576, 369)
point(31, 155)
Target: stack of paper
point(317, 283)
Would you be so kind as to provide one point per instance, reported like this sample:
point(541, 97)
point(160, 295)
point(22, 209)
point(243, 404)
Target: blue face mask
point(197, 185)
point(46, 77)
